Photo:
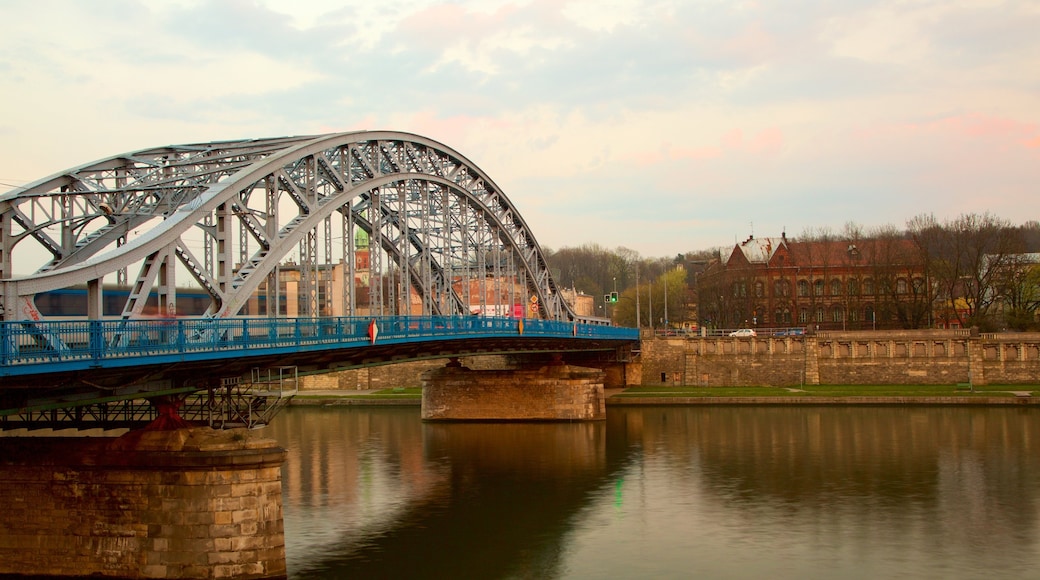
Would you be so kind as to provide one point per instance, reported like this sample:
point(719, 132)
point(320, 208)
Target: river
point(664, 492)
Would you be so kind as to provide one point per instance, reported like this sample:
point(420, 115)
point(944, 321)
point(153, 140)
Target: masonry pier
point(184, 503)
point(555, 392)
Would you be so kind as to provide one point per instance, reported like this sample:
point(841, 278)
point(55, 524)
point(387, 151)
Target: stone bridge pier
point(552, 392)
point(182, 503)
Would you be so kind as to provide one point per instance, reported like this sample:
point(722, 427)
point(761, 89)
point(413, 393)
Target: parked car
point(789, 332)
point(744, 332)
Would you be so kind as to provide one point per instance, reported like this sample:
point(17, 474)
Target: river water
point(665, 492)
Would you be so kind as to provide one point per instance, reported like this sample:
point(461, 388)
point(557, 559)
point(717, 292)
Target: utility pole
point(638, 323)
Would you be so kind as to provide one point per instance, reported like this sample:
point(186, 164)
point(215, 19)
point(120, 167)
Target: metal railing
point(97, 343)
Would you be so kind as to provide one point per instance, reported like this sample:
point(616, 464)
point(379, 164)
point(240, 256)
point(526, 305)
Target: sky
point(659, 126)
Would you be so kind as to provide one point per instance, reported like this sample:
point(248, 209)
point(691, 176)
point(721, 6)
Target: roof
point(759, 250)
point(839, 252)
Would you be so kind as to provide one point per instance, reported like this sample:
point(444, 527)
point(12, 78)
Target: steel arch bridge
point(300, 249)
point(359, 223)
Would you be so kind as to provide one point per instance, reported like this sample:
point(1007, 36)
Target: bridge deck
point(67, 363)
point(53, 347)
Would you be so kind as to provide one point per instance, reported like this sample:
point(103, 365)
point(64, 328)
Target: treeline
point(978, 268)
point(598, 271)
point(983, 271)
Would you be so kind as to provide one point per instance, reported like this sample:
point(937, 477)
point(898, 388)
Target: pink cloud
point(997, 132)
point(733, 139)
point(695, 153)
point(769, 141)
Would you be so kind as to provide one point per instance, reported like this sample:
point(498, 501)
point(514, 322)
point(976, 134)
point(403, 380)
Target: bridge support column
point(186, 503)
point(556, 392)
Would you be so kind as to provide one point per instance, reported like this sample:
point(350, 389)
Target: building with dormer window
point(777, 283)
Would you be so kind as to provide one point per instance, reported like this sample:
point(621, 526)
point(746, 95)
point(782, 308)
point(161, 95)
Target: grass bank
point(835, 391)
point(806, 391)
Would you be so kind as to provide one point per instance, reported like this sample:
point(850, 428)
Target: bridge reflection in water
point(665, 492)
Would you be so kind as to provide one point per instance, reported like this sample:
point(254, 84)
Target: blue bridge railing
point(82, 344)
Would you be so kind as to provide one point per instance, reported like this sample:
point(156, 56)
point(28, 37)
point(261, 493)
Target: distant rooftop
point(760, 250)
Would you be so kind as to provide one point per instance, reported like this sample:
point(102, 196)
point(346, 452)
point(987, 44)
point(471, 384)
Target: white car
point(744, 332)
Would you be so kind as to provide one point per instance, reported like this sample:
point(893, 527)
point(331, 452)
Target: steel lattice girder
point(432, 218)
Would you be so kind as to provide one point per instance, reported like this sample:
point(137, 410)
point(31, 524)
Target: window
point(760, 289)
point(868, 287)
point(803, 288)
point(835, 287)
point(819, 314)
point(781, 288)
point(803, 316)
point(739, 289)
point(853, 315)
point(901, 286)
point(868, 314)
point(818, 288)
point(837, 314)
point(787, 315)
point(918, 285)
point(853, 286)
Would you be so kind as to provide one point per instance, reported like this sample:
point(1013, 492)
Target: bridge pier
point(555, 392)
point(184, 503)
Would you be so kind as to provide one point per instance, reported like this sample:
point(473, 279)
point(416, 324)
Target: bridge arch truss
point(346, 224)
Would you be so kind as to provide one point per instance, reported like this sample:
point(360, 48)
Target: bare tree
point(964, 258)
point(1017, 286)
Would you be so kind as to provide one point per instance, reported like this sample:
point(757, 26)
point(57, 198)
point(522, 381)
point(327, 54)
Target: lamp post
point(638, 322)
point(666, 301)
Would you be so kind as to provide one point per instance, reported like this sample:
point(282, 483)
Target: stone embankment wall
point(837, 358)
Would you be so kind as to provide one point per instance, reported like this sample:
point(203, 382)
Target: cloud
point(599, 119)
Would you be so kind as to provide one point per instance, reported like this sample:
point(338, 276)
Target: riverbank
point(998, 395)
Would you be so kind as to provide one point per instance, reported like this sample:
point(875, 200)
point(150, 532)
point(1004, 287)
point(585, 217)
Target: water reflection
point(732, 492)
point(377, 493)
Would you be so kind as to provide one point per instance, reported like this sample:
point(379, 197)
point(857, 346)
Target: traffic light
point(606, 298)
point(613, 297)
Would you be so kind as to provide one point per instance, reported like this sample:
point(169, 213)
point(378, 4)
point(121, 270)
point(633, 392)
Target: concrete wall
point(882, 357)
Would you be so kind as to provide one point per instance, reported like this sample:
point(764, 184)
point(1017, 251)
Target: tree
point(1017, 286)
point(964, 258)
point(652, 301)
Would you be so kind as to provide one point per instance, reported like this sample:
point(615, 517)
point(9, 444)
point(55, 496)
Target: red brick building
point(772, 283)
